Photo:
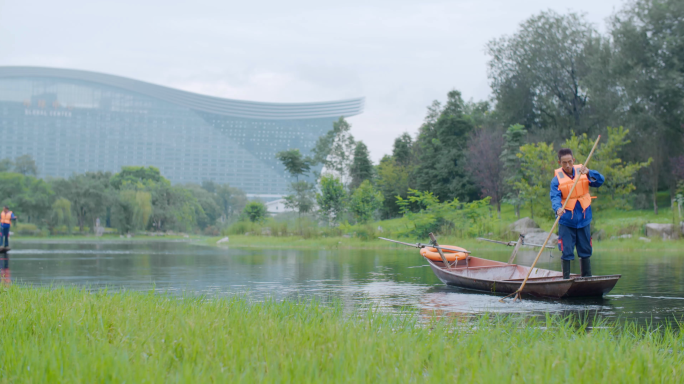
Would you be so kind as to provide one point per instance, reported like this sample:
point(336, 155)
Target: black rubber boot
point(566, 269)
point(585, 266)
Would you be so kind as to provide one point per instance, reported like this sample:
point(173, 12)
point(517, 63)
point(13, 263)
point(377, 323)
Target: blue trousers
point(571, 238)
point(5, 235)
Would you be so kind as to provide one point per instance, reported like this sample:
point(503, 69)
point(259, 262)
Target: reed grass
point(72, 335)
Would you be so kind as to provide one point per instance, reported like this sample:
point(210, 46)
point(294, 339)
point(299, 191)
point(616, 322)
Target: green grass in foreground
point(70, 335)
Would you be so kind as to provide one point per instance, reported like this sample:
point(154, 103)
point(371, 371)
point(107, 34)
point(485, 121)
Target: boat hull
point(497, 277)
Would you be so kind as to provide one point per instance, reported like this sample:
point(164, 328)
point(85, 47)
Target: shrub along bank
point(453, 225)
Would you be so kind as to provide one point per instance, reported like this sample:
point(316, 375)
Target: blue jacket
point(577, 218)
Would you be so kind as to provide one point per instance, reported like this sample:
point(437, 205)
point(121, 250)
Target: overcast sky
point(398, 54)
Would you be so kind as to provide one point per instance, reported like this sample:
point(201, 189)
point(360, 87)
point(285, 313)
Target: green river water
point(651, 289)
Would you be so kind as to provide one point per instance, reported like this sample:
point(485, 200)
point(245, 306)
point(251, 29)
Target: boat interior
point(477, 268)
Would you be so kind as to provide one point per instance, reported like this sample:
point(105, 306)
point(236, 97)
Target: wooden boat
point(499, 277)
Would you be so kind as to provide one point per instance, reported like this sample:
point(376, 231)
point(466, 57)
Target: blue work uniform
point(574, 229)
point(5, 230)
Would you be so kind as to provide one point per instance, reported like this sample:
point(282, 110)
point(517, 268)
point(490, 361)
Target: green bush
point(242, 228)
point(451, 218)
point(367, 232)
point(26, 229)
point(279, 228)
point(211, 231)
point(255, 211)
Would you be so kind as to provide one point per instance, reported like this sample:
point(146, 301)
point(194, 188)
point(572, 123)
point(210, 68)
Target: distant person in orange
point(6, 217)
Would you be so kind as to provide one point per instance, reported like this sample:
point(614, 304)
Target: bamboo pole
point(433, 240)
point(555, 223)
point(420, 245)
point(511, 243)
point(517, 247)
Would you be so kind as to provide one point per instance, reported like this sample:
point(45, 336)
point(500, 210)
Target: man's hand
point(560, 211)
point(584, 170)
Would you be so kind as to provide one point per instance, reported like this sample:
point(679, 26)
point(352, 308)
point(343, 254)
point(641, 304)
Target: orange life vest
point(581, 192)
point(6, 218)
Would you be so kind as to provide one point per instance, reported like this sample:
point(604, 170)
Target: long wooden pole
point(512, 243)
point(555, 223)
point(420, 245)
point(433, 240)
point(517, 247)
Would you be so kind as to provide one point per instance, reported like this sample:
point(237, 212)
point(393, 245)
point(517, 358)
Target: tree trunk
point(517, 211)
point(531, 210)
point(299, 219)
point(498, 209)
point(655, 193)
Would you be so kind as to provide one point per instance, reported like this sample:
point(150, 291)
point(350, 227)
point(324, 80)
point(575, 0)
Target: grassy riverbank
point(103, 239)
point(609, 227)
point(69, 335)
point(338, 242)
point(277, 234)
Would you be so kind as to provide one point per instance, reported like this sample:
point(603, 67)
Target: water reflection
point(651, 288)
point(5, 276)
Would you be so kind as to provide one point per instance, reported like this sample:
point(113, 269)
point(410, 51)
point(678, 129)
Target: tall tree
point(365, 201)
point(211, 212)
point(36, 199)
point(25, 165)
point(442, 145)
point(482, 114)
point(514, 138)
point(86, 194)
point(538, 161)
point(6, 165)
point(542, 76)
point(402, 150)
point(677, 165)
point(484, 163)
point(132, 210)
point(295, 163)
point(255, 211)
point(362, 166)
point(27, 196)
point(302, 195)
point(301, 198)
point(61, 215)
point(649, 60)
point(138, 176)
point(230, 200)
point(335, 150)
point(392, 182)
point(332, 199)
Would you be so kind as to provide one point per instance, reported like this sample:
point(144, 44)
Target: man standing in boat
point(6, 217)
point(574, 230)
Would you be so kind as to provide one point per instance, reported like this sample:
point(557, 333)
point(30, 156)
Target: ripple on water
point(390, 280)
point(448, 299)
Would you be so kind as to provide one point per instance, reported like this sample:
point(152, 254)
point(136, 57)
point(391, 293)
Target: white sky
point(399, 54)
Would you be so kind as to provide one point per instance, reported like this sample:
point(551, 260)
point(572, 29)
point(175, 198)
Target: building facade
point(73, 121)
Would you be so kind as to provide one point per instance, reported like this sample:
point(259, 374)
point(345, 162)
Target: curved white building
point(74, 121)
